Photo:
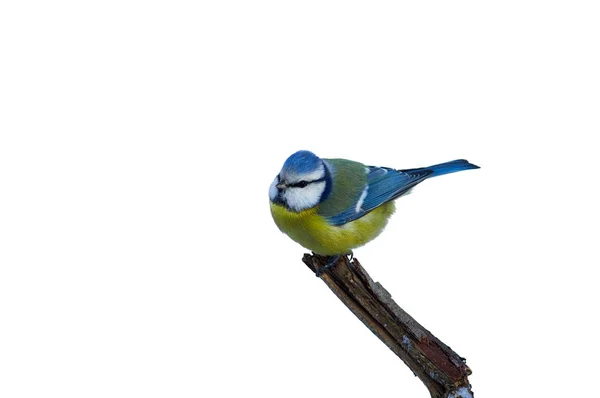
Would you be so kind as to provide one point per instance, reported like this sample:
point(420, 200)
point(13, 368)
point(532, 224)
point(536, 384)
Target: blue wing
point(385, 184)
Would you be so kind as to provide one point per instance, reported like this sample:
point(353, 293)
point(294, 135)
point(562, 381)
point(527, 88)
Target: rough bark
point(444, 373)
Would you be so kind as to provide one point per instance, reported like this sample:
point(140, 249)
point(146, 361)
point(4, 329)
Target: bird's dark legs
point(350, 259)
point(331, 262)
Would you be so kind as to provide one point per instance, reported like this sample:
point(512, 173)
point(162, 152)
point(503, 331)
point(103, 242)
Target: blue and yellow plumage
point(331, 206)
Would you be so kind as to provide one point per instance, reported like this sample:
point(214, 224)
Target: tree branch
point(443, 372)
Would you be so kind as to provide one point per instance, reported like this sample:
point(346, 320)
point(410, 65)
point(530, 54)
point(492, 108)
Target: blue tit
point(331, 206)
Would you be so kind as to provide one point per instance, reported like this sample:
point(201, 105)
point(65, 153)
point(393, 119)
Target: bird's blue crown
point(301, 162)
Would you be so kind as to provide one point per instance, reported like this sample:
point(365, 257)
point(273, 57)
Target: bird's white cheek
point(300, 199)
point(273, 190)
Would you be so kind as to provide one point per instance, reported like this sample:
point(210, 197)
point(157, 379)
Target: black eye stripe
point(299, 184)
point(302, 184)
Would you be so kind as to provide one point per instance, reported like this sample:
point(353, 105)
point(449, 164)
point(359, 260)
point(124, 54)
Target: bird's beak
point(282, 185)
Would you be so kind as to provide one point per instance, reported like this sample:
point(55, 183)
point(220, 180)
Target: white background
point(138, 139)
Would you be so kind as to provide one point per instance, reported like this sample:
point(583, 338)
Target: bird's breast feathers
point(311, 230)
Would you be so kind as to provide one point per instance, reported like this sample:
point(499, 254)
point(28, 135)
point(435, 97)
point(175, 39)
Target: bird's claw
point(330, 263)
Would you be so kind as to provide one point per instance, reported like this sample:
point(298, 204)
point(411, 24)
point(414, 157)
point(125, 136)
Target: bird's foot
point(332, 260)
point(351, 260)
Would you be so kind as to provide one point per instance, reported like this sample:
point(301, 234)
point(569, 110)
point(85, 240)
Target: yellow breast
point(312, 231)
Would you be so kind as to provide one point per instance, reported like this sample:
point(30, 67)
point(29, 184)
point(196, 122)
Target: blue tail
point(445, 168)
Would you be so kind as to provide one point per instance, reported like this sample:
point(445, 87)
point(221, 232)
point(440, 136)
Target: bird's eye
point(301, 184)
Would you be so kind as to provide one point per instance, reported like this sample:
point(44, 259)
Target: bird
point(332, 206)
